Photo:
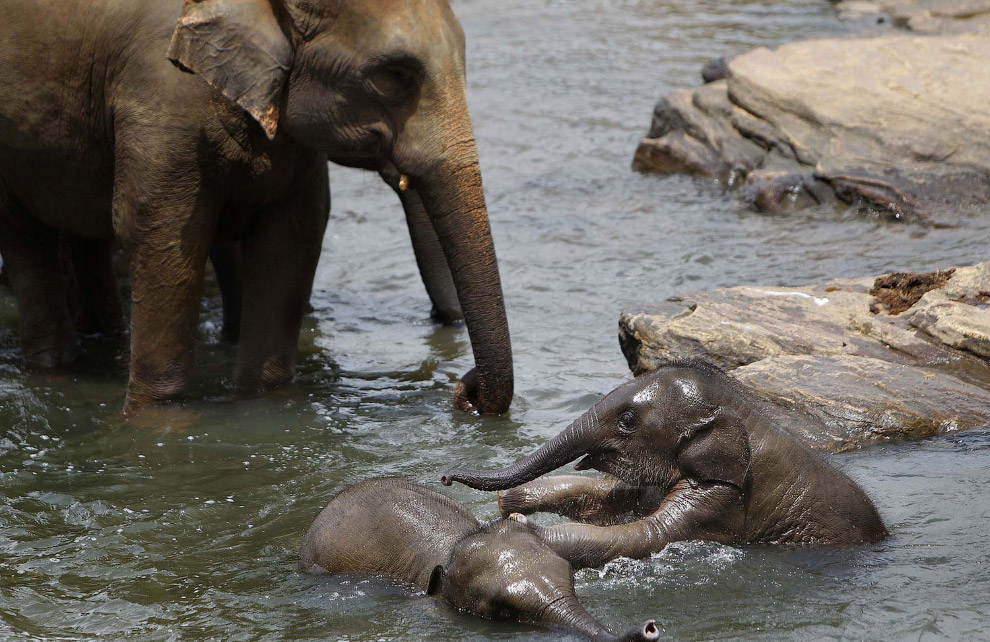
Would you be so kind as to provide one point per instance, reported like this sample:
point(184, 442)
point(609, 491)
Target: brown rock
point(897, 124)
point(862, 374)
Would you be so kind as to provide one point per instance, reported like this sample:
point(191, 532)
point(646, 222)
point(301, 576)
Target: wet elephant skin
point(688, 453)
point(396, 529)
point(174, 127)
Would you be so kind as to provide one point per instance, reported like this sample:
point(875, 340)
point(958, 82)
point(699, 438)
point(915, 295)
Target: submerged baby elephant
point(394, 528)
point(689, 454)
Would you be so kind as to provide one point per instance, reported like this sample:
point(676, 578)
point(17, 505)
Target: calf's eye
point(505, 611)
point(627, 421)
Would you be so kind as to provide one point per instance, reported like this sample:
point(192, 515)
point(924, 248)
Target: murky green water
point(186, 525)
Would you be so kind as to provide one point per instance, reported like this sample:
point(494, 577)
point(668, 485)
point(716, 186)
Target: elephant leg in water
point(619, 520)
point(643, 518)
point(33, 256)
point(433, 268)
point(96, 305)
point(397, 529)
point(85, 300)
point(707, 512)
point(603, 500)
point(225, 257)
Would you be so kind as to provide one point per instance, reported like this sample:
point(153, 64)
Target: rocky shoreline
point(923, 16)
point(896, 124)
point(852, 362)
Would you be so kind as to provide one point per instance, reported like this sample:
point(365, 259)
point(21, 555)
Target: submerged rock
point(897, 124)
point(858, 360)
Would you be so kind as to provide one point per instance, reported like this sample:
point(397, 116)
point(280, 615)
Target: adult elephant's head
point(376, 84)
point(681, 422)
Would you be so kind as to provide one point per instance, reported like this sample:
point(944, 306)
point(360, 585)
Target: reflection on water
point(185, 524)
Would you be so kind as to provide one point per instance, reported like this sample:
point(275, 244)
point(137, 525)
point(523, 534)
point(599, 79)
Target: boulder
point(856, 360)
point(897, 124)
point(924, 16)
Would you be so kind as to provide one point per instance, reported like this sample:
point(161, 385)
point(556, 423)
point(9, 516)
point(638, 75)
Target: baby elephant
point(689, 454)
point(394, 528)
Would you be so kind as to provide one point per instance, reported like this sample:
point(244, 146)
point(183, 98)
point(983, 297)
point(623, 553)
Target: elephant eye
point(505, 611)
point(397, 80)
point(627, 422)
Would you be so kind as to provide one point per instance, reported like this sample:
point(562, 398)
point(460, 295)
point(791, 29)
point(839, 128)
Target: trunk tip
point(646, 632)
point(650, 630)
point(447, 479)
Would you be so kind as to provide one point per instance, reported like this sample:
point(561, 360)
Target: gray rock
point(859, 360)
point(897, 124)
point(715, 69)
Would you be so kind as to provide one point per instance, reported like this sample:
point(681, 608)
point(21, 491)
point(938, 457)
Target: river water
point(185, 524)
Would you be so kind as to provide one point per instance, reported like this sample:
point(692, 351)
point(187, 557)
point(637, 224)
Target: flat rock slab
point(898, 124)
point(925, 16)
point(859, 360)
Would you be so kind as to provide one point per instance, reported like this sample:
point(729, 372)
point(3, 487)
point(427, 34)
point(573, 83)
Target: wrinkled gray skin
point(400, 530)
point(103, 135)
point(689, 454)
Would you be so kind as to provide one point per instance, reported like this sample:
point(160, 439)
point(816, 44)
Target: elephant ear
point(716, 449)
point(436, 580)
point(239, 48)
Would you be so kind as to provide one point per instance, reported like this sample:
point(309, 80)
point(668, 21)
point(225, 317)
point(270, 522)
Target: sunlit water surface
point(185, 525)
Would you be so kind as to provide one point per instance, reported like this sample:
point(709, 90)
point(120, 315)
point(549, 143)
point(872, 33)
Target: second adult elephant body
point(103, 135)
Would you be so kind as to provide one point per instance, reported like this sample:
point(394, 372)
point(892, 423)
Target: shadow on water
point(185, 523)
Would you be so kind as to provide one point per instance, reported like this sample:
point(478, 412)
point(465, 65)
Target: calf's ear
point(239, 48)
point(716, 449)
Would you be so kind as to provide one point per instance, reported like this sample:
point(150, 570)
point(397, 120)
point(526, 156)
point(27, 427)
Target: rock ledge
point(897, 124)
point(849, 369)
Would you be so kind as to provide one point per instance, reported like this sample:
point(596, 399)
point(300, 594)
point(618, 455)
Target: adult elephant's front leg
point(168, 247)
point(430, 258)
point(710, 512)
point(279, 262)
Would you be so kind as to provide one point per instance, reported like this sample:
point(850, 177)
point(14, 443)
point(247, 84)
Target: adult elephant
point(102, 135)
point(688, 453)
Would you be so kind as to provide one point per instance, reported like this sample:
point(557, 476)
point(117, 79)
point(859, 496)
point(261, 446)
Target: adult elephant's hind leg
point(31, 254)
point(278, 265)
point(226, 259)
point(101, 308)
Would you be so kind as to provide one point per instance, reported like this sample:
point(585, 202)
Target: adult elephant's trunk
point(431, 260)
point(452, 194)
point(577, 439)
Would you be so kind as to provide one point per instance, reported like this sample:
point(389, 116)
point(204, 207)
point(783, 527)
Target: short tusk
point(519, 517)
point(403, 182)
